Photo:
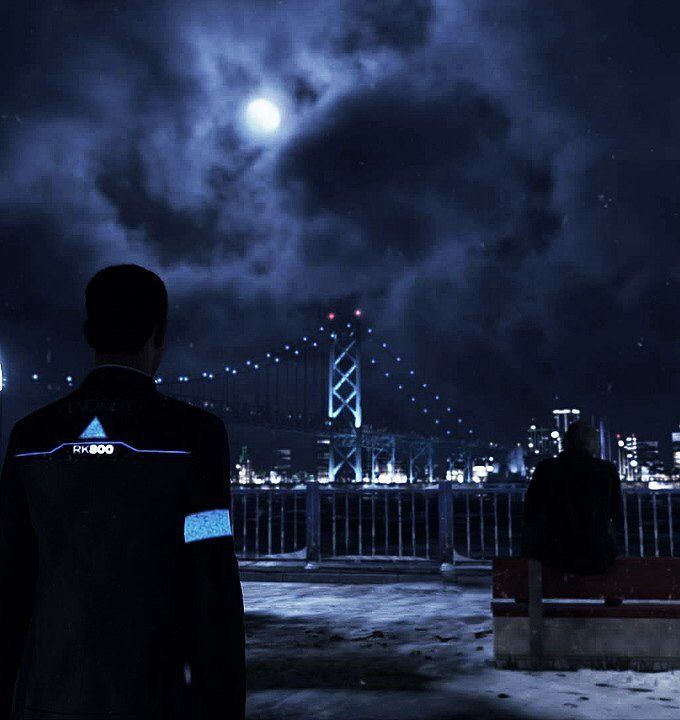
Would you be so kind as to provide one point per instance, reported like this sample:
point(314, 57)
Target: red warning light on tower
point(357, 313)
point(331, 316)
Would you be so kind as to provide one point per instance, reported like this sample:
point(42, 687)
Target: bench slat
point(629, 578)
point(589, 610)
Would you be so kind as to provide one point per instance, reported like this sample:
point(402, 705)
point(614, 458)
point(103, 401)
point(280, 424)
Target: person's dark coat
point(571, 509)
point(119, 587)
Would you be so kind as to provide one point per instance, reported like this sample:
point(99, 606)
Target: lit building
point(542, 443)
point(649, 460)
point(283, 466)
point(457, 467)
point(244, 468)
point(627, 460)
point(516, 464)
point(565, 417)
point(675, 438)
point(323, 451)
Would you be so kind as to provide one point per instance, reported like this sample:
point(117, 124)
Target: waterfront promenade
point(414, 651)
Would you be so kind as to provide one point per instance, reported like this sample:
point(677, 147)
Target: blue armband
point(207, 525)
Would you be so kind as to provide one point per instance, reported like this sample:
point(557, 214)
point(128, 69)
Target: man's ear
point(159, 334)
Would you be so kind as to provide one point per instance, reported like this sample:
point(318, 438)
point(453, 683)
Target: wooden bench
point(547, 620)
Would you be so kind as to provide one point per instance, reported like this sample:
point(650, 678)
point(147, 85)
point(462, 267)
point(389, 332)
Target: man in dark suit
point(572, 506)
point(119, 586)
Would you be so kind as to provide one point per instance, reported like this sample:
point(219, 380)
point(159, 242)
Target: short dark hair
point(125, 305)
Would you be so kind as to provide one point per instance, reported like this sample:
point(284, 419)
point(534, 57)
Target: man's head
point(127, 308)
point(582, 439)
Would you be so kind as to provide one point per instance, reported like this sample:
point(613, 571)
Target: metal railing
point(269, 522)
point(379, 523)
point(438, 523)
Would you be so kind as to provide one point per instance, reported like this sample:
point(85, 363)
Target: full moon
point(263, 116)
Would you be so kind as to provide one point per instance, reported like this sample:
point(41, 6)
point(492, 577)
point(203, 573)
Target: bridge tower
point(344, 401)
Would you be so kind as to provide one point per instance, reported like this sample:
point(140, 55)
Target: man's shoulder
point(43, 417)
point(604, 467)
point(546, 465)
point(608, 468)
point(199, 417)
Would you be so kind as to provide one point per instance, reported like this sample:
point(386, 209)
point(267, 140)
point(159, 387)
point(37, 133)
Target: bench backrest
point(629, 578)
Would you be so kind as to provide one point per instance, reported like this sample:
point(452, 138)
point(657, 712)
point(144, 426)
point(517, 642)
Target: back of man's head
point(126, 305)
point(582, 439)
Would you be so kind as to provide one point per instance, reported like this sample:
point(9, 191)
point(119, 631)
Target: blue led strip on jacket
point(207, 525)
point(115, 442)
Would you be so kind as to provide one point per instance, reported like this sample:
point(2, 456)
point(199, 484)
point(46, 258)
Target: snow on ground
point(414, 651)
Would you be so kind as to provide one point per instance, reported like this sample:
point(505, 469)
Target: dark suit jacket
point(119, 587)
point(571, 509)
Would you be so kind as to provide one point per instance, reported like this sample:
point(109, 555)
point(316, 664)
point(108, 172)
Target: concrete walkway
point(413, 651)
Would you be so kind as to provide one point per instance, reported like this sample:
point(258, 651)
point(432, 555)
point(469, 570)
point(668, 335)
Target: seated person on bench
point(572, 506)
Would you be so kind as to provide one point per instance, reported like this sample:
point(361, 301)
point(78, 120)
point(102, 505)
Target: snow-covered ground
point(412, 652)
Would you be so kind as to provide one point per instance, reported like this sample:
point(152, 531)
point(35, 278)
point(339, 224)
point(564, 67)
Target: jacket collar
point(118, 377)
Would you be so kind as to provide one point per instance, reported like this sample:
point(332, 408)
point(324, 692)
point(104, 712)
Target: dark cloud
point(304, 92)
point(166, 231)
point(494, 183)
point(398, 24)
point(382, 157)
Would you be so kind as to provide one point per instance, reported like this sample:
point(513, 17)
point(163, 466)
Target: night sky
point(494, 183)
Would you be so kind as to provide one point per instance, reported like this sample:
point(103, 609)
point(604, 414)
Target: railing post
point(445, 507)
point(535, 579)
point(313, 524)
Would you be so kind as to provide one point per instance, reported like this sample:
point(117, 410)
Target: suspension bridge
point(342, 383)
point(329, 383)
